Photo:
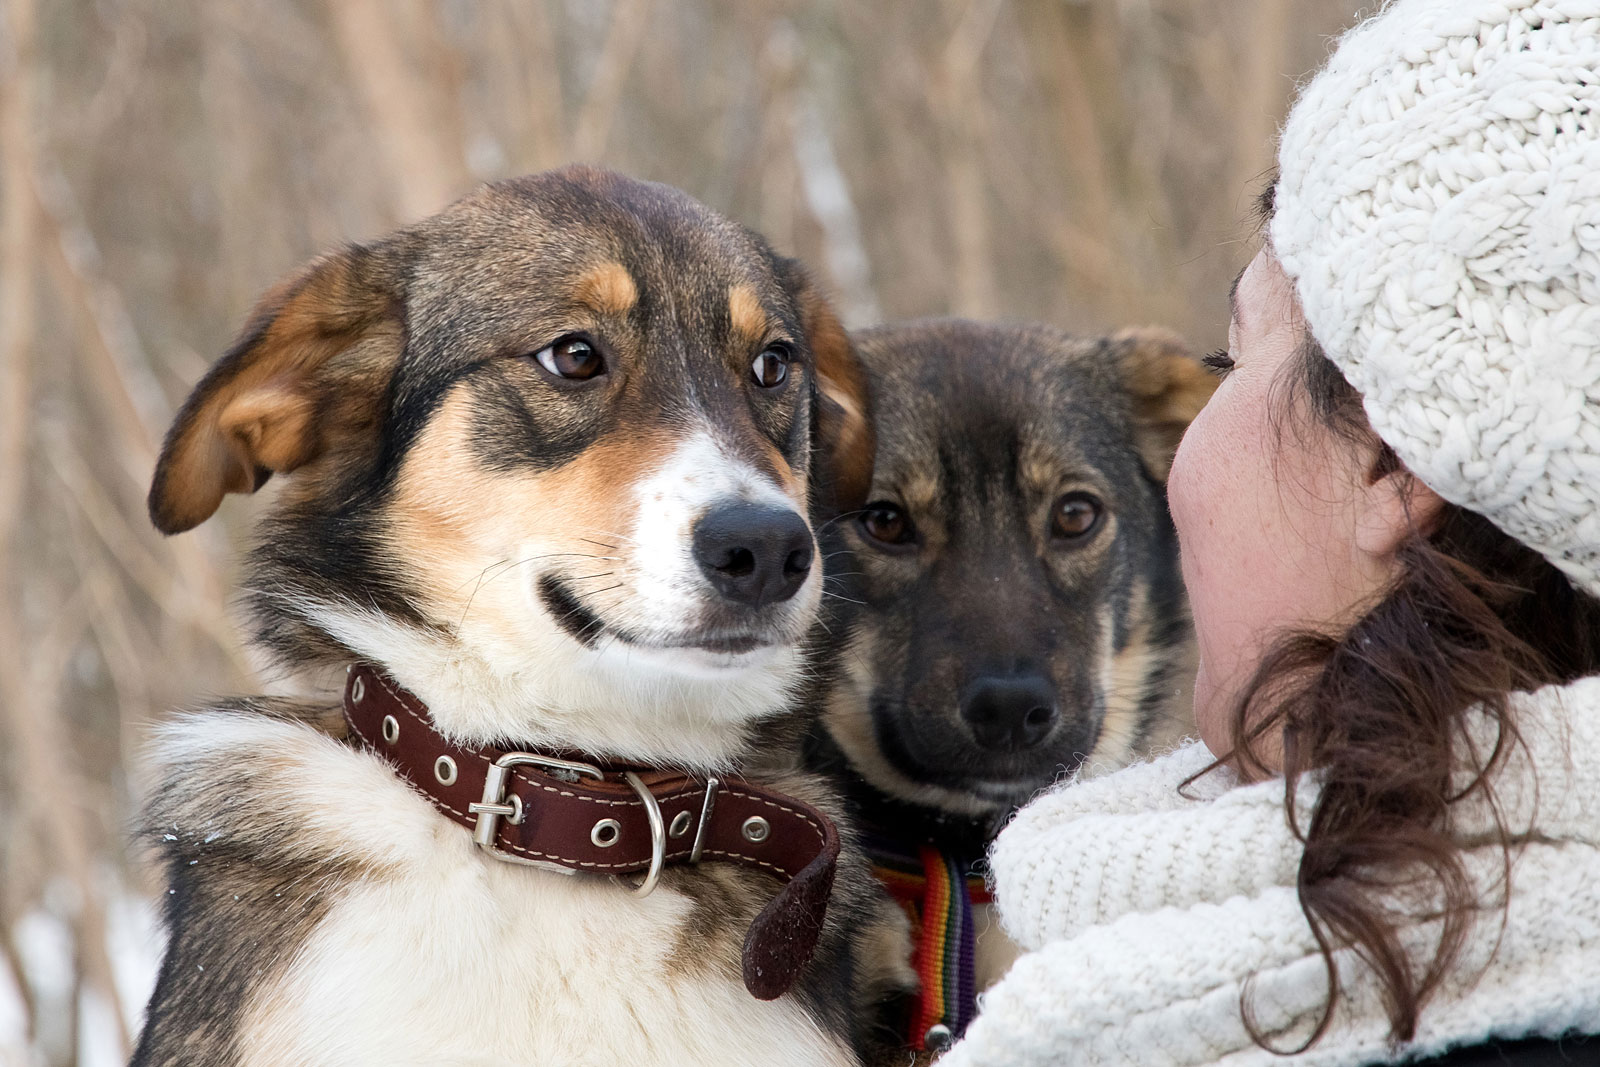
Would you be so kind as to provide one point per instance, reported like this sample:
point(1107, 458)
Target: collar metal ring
point(658, 836)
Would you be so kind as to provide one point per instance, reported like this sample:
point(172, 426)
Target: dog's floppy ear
point(264, 408)
point(1167, 386)
point(844, 426)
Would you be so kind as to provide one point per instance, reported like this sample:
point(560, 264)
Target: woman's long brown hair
point(1380, 715)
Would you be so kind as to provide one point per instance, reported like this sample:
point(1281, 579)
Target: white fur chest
point(508, 966)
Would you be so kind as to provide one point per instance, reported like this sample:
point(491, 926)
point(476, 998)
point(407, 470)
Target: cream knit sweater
point(1147, 916)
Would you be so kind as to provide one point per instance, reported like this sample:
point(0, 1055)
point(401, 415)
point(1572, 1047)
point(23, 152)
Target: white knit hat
point(1439, 210)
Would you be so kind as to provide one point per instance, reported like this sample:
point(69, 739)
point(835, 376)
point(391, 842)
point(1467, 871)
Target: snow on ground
point(44, 940)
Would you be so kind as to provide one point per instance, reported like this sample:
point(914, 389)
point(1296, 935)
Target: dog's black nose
point(1010, 712)
point(752, 554)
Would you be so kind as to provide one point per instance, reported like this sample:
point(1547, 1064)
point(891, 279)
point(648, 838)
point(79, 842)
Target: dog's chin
point(697, 661)
point(997, 790)
point(1013, 793)
point(707, 652)
point(984, 782)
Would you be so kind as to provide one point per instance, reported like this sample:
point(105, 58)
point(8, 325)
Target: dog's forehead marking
point(906, 470)
point(1044, 463)
point(746, 315)
point(608, 288)
point(920, 489)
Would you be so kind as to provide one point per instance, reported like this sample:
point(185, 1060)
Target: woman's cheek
point(1190, 499)
point(1185, 498)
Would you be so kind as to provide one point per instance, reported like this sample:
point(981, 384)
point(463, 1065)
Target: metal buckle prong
point(706, 808)
point(493, 806)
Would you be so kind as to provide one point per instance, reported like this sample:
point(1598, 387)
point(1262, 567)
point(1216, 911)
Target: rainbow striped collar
point(937, 892)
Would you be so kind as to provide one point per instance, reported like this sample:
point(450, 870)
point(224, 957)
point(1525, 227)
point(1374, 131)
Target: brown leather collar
point(575, 816)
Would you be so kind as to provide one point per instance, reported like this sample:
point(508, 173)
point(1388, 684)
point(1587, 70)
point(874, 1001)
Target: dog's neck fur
point(582, 701)
point(962, 837)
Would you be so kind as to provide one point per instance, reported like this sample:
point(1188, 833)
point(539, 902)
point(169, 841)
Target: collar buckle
point(494, 806)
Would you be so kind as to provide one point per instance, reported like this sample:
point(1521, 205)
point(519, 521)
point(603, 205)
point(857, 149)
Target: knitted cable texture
point(1152, 917)
point(1439, 211)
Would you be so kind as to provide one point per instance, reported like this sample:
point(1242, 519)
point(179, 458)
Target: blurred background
point(1086, 162)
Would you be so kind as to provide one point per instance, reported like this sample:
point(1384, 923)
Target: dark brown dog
point(549, 462)
point(1020, 613)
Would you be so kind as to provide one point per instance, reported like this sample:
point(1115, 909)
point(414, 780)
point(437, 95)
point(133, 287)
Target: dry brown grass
point(1086, 162)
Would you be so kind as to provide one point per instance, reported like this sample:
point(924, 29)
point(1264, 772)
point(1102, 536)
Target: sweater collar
point(1087, 854)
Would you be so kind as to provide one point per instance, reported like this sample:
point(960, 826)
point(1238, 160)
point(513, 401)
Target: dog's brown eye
point(571, 357)
point(887, 523)
point(771, 367)
point(1077, 515)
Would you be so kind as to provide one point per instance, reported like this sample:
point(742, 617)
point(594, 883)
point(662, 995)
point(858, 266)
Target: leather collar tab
point(569, 815)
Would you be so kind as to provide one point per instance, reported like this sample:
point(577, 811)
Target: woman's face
point(1275, 513)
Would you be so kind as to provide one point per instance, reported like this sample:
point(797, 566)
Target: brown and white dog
point(550, 467)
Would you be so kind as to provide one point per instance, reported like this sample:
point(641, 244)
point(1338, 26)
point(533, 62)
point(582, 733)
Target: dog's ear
point(269, 404)
point(1167, 386)
point(844, 426)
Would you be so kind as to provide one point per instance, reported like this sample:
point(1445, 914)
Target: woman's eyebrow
point(1233, 294)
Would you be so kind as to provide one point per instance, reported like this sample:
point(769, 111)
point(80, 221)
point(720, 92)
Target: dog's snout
point(1010, 713)
point(754, 555)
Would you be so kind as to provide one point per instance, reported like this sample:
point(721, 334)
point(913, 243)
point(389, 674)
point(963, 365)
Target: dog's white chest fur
point(438, 954)
point(474, 969)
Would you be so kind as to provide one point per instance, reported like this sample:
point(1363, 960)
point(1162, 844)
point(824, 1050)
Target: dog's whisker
point(474, 596)
point(506, 566)
point(610, 535)
point(486, 570)
point(505, 563)
point(841, 518)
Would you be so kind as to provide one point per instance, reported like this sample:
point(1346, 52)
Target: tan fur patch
point(993, 952)
point(451, 510)
point(1047, 466)
point(257, 410)
point(1168, 387)
point(1037, 467)
point(790, 482)
point(1125, 679)
point(1122, 681)
point(844, 420)
point(884, 948)
point(746, 315)
point(920, 492)
point(274, 423)
point(608, 288)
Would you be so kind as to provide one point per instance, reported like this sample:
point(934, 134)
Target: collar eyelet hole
point(606, 833)
point(444, 769)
